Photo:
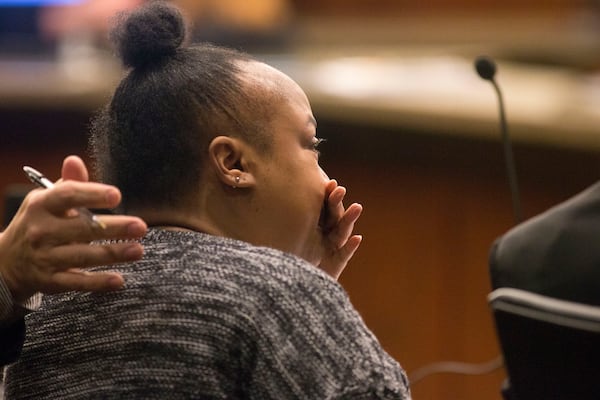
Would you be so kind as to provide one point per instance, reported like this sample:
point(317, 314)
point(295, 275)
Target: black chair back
point(551, 347)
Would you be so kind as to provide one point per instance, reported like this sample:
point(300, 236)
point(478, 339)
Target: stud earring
point(237, 181)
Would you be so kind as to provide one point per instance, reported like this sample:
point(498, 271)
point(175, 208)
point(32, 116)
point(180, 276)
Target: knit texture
point(204, 317)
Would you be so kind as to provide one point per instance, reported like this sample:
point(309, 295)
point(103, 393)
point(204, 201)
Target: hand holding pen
point(44, 247)
point(39, 179)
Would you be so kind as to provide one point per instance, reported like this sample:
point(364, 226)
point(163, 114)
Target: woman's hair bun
point(148, 33)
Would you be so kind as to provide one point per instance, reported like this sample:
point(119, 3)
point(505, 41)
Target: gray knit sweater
point(204, 317)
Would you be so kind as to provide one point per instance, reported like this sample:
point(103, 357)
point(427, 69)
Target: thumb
point(74, 168)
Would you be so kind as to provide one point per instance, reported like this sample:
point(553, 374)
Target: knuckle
point(79, 258)
point(105, 254)
point(112, 253)
point(43, 267)
point(34, 199)
point(34, 235)
point(34, 202)
point(65, 191)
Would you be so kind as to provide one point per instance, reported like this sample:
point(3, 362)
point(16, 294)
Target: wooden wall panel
point(433, 206)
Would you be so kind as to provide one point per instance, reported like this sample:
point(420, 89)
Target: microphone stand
point(486, 69)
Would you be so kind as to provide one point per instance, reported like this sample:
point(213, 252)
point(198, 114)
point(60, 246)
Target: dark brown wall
point(40, 139)
point(433, 206)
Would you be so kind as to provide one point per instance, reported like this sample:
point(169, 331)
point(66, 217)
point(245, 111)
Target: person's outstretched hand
point(340, 243)
point(47, 244)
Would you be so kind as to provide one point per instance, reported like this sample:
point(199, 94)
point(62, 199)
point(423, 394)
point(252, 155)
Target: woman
point(236, 295)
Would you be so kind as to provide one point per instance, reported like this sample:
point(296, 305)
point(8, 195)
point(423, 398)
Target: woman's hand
point(46, 243)
point(339, 242)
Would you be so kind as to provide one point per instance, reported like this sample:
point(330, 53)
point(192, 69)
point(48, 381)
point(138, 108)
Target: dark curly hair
point(151, 140)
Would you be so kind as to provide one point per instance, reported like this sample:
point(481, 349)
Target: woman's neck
point(171, 227)
point(175, 221)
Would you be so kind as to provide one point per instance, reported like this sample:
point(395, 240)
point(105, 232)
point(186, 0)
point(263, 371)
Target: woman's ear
point(227, 156)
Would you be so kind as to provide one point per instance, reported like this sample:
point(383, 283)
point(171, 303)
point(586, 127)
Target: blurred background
point(412, 132)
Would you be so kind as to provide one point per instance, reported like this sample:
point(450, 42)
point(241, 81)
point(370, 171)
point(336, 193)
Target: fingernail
point(116, 282)
point(136, 229)
point(112, 197)
point(133, 252)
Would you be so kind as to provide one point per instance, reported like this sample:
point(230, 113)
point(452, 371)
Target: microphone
point(486, 68)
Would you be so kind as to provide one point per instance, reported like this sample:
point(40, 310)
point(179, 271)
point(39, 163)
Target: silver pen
point(39, 179)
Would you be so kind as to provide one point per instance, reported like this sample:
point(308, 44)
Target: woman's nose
point(323, 174)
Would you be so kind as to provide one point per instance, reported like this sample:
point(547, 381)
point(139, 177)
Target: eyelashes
point(316, 143)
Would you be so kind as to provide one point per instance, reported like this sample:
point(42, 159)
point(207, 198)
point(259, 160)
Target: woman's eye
point(316, 143)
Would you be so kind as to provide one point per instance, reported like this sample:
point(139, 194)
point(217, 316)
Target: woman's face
point(290, 184)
